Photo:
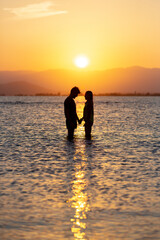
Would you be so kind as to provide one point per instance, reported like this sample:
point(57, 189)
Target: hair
point(89, 95)
point(75, 90)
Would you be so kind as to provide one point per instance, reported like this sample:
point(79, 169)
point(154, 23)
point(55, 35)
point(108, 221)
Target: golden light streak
point(79, 200)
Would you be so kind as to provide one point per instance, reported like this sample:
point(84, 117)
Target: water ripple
point(103, 188)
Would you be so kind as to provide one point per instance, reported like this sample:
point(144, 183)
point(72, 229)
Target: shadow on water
point(79, 163)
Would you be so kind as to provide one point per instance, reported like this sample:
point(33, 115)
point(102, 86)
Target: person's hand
point(80, 120)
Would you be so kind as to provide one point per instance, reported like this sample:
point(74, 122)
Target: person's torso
point(88, 112)
point(70, 107)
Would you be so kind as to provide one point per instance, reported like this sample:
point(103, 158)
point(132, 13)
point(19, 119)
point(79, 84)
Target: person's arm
point(67, 114)
point(79, 120)
point(67, 111)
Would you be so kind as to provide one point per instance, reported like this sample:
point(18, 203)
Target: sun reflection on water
point(80, 199)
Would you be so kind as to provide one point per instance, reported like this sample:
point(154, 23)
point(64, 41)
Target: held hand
point(80, 120)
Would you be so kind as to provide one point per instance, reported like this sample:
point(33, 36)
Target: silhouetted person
point(70, 112)
point(88, 114)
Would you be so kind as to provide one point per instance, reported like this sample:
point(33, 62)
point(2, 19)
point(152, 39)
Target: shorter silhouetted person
point(70, 112)
point(88, 114)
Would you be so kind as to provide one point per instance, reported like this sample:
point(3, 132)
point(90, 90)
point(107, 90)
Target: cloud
point(39, 10)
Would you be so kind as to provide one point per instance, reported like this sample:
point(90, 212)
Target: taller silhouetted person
point(70, 112)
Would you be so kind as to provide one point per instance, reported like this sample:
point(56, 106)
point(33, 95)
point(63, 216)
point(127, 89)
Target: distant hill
point(120, 80)
point(18, 88)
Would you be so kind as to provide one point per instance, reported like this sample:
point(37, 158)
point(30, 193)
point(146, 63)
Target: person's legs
point(70, 129)
point(70, 133)
point(88, 131)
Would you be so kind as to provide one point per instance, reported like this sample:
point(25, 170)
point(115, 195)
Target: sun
point(81, 61)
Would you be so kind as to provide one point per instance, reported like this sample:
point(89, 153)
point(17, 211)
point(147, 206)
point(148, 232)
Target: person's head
point(74, 92)
point(89, 96)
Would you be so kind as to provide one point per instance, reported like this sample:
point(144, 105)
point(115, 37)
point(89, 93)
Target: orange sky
point(40, 35)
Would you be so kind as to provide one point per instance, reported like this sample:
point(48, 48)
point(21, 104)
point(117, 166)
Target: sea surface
point(105, 188)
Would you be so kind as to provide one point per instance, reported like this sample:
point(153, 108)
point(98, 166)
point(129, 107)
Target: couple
point(71, 115)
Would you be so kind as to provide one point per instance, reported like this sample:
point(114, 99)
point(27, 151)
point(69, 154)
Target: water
point(105, 188)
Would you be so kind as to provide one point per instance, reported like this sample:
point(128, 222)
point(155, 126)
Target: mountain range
point(119, 80)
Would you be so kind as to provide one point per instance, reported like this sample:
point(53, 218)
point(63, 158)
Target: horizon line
point(114, 94)
point(79, 70)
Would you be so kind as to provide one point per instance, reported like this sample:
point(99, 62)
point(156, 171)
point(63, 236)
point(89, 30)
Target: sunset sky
point(41, 35)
